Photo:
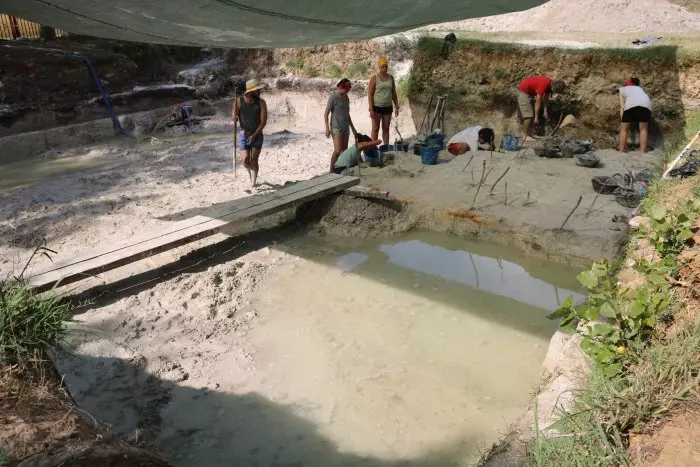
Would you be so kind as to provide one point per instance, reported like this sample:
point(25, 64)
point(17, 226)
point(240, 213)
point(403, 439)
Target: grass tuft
point(358, 70)
point(30, 323)
point(592, 431)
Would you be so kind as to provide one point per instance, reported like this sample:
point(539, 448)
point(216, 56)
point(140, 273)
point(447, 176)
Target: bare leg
point(643, 135)
point(386, 124)
point(624, 132)
point(526, 128)
point(254, 167)
point(337, 149)
point(245, 155)
point(375, 126)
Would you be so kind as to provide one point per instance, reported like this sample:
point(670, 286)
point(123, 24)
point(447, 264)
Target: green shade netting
point(250, 23)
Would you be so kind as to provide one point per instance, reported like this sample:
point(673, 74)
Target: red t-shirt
point(536, 85)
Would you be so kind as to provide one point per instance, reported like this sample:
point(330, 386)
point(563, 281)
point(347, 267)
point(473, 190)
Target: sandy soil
point(528, 212)
point(166, 359)
point(78, 197)
point(615, 16)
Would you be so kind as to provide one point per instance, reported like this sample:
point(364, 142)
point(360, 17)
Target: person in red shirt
point(541, 88)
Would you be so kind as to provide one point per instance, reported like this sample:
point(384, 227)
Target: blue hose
point(105, 98)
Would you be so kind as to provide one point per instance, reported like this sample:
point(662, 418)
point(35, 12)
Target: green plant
point(358, 70)
point(29, 323)
point(592, 431)
point(295, 64)
point(667, 231)
point(310, 71)
point(334, 71)
point(484, 94)
point(500, 74)
point(669, 111)
point(3, 461)
point(630, 316)
point(403, 88)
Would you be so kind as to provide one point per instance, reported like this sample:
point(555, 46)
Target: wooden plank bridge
point(114, 255)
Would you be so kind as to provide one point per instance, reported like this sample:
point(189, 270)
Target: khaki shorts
point(525, 105)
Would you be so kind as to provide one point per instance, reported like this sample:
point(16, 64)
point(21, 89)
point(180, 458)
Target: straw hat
point(253, 85)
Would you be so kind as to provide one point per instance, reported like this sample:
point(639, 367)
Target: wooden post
point(14, 27)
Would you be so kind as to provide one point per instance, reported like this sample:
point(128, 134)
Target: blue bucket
point(429, 154)
point(372, 157)
point(510, 142)
point(385, 148)
point(435, 140)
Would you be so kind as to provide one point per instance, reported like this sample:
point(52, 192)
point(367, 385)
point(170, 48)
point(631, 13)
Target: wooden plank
point(176, 234)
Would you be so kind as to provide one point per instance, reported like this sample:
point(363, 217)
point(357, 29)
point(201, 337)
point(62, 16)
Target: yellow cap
point(382, 61)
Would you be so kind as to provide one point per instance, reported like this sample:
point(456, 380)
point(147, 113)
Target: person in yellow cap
point(382, 93)
point(251, 110)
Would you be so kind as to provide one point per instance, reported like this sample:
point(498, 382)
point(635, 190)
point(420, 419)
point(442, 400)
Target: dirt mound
point(40, 426)
point(480, 80)
point(590, 15)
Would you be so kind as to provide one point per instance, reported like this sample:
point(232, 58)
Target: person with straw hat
point(251, 110)
point(381, 94)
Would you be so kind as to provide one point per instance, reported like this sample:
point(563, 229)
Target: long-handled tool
point(396, 127)
point(568, 120)
point(235, 134)
point(680, 156)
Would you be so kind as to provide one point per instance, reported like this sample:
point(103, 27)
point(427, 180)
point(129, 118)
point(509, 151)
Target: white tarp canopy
point(251, 23)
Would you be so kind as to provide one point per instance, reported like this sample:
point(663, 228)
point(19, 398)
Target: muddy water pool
point(418, 349)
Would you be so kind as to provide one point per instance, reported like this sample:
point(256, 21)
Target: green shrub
point(593, 431)
point(630, 316)
point(358, 70)
point(30, 323)
point(334, 71)
point(403, 88)
point(310, 71)
point(295, 64)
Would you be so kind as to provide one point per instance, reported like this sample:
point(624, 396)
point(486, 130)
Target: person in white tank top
point(635, 107)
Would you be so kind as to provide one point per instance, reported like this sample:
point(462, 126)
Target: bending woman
point(340, 123)
point(382, 92)
point(635, 106)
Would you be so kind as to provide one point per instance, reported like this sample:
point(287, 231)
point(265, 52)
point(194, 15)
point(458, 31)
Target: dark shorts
point(243, 141)
point(338, 170)
point(383, 110)
point(636, 114)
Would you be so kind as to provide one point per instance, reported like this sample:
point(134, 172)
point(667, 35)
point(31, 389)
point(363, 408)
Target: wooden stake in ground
point(588, 212)
point(498, 180)
point(470, 161)
point(483, 169)
point(580, 198)
point(506, 198)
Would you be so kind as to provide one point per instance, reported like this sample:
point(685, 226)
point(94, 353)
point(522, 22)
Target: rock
point(637, 221)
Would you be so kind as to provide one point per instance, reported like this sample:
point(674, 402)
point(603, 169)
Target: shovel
point(568, 120)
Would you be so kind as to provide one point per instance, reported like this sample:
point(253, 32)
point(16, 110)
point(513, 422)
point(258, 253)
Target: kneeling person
point(350, 157)
point(471, 139)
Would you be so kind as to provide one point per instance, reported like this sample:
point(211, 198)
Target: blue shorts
point(243, 140)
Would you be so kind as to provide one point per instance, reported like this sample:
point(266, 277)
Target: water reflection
point(494, 275)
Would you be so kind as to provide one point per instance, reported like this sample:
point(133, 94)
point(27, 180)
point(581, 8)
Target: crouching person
point(351, 156)
point(472, 139)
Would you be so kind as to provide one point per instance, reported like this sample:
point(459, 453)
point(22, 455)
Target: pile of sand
point(644, 16)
